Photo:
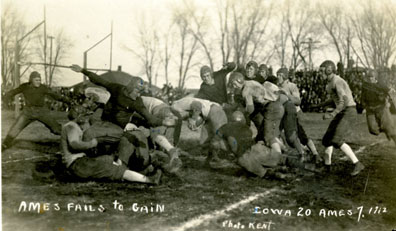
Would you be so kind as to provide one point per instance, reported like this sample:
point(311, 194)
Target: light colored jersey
point(254, 91)
point(69, 156)
point(292, 92)
point(152, 103)
point(340, 93)
point(184, 104)
point(101, 94)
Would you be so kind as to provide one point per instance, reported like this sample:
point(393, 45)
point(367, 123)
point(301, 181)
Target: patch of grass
point(197, 189)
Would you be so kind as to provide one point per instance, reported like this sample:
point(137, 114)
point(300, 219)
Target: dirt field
point(200, 198)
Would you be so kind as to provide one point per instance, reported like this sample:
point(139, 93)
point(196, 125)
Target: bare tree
point(58, 50)
point(165, 51)
point(332, 18)
point(13, 28)
point(247, 28)
point(280, 39)
point(302, 27)
point(148, 41)
point(198, 27)
point(188, 43)
point(375, 28)
point(337, 24)
point(223, 11)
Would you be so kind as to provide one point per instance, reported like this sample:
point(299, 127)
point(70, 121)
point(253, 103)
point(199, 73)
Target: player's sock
point(135, 177)
point(312, 147)
point(282, 144)
point(349, 152)
point(328, 153)
point(275, 147)
point(163, 142)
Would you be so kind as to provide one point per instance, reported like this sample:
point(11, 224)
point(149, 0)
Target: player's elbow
point(250, 108)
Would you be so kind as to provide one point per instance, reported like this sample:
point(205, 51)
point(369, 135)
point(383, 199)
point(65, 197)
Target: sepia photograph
point(198, 115)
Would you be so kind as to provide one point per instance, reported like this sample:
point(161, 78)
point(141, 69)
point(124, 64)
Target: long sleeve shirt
point(218, 91)
point(120, 104)
point(34, 96)
point(183, 105)
point(340, 93)
point(253, 91)
point(291, 91)
point(373, 94)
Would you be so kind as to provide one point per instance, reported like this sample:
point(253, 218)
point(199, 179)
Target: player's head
point(166, 113)
point(237, 80)
point(196, 108)
point(327, 68)
point(238, 116)
point(282, 75)
point(372, 76)
point(194, 123)
point(206, 75)
point(35, 79)
point(134, 87)
point(251, 69)
point(94, 96)
point(78, 113)
point(263, 71)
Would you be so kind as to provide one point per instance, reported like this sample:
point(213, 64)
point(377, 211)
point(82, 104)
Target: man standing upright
point(342, 116)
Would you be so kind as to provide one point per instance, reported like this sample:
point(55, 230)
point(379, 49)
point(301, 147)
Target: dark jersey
point(120, 106)
point(257, 78)
point(34, 96)
point(218, 91)
point(373, 94)
point(242, 134)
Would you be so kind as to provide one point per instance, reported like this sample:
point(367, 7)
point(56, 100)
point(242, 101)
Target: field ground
point(200, 198)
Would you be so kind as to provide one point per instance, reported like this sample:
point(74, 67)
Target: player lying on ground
point(236, 137)
point(132, 143)
point(34, 94)
point(102, 167)
point(126, 105)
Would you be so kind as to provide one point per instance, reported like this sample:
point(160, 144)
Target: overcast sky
point(86, 22)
